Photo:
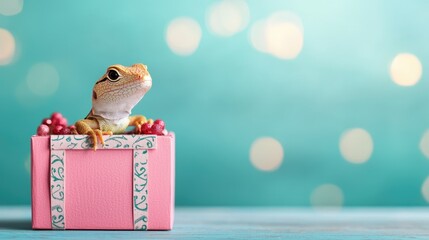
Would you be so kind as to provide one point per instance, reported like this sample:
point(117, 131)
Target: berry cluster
point(56, 124)
point(157, 127)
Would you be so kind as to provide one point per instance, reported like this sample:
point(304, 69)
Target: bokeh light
point(406, 69)
point(280, 35)
point(425, 189)
point(266, 154)
point(424, 143)
point(11, 7)
point(258, 36)
point(183, 36)
point(7, 47)
point(356, 145)
point(327, 195)
point(43, 79)
point(227, 17)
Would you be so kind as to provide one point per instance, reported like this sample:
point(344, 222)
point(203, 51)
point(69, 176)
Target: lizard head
point(119, 90)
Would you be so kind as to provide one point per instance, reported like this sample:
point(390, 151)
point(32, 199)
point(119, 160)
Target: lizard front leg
point(91, 128)
point(137, 121)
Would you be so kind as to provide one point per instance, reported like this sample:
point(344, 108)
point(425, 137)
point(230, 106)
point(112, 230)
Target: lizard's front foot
point(96, 136)
point(86, 127)
point(137, 121)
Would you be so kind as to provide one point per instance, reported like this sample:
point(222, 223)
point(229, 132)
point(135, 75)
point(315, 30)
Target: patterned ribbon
point(140, 144)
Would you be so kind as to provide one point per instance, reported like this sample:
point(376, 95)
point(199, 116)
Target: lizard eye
point(113, 75)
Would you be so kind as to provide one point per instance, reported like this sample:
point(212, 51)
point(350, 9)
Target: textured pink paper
point(99, 187)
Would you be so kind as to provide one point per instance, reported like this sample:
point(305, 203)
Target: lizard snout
point(143, 77)
point(140, 72)
point(138, 75)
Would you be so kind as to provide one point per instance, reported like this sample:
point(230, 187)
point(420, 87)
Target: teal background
point(225, 95)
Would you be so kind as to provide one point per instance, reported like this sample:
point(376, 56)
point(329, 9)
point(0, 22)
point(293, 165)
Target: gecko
point(113, 97)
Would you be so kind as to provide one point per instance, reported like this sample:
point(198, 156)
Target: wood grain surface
point(250, 223)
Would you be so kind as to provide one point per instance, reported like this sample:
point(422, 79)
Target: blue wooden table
point(250, 223)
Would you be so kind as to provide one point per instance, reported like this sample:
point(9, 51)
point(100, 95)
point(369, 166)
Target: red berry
point(62, 122)
point(146, 128)
point(47, 121)
point(65, 131)
point(72, 129)
point(57, 129)
point(43, 130)
point(157, 129)
point(56, 115)
point(58, 119)
point(159, 122)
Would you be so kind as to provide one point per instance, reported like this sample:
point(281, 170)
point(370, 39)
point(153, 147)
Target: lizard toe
point(93, 137)
point(99, 135)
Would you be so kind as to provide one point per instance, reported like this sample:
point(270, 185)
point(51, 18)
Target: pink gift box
point(127, 185)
